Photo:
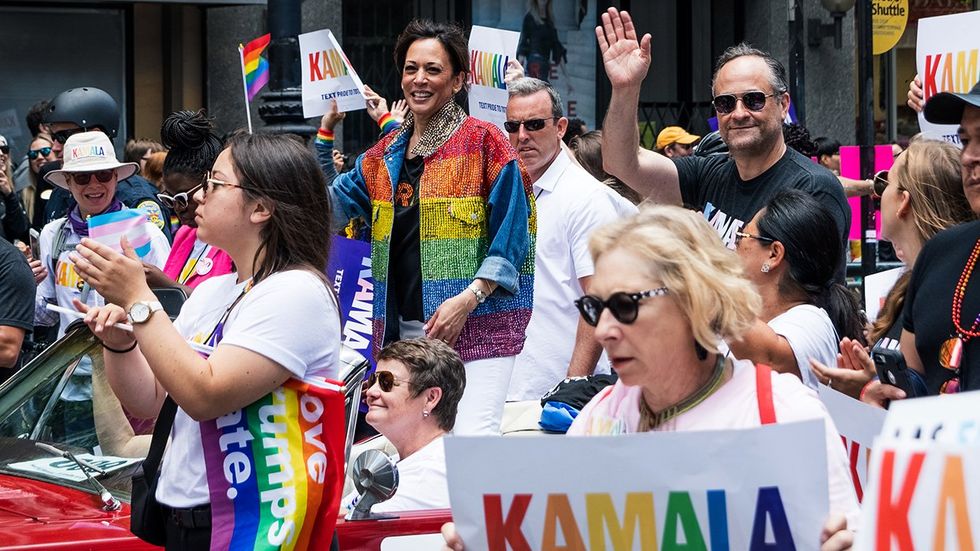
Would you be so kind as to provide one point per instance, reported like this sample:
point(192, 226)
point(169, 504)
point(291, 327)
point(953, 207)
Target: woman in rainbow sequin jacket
point(451, 218)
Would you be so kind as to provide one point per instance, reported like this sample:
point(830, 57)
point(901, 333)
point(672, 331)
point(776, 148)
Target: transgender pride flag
point(109, 228)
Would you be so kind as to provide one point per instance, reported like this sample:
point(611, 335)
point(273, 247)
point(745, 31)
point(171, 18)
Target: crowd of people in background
point(685, 283)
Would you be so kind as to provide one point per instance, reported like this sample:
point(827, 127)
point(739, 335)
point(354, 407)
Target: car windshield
point(62, 398)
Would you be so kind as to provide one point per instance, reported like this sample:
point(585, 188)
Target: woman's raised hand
point(101, 320)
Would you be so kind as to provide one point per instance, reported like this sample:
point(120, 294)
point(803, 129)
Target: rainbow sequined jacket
point(476, 220)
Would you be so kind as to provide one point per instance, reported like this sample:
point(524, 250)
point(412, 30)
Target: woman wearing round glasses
point(193, 147)
point(921, 195)
point(792, 263)
point(662, 323)
point(451, 219)
point(412, 399)
point(275, 318)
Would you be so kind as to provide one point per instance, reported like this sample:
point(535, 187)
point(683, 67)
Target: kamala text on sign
point(488, 69)
point(326, 64)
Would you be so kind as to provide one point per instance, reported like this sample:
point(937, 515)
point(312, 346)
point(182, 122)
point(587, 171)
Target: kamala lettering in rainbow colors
point(275, 469)
point(488, 69)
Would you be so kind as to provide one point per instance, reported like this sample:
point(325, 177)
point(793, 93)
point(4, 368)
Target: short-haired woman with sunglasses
point(275, 318)
point(412, 398)
point(193, 148)
point(451, 219)
point(921, 195)
point(793, 264)
point(667, 294)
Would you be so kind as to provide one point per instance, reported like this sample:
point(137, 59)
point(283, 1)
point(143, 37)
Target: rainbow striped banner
point(256, 67)
point(110, 227)
point(275, 469)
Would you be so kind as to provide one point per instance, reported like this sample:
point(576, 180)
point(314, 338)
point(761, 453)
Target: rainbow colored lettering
point(959, 72)
point(326, 64)
point(636, 526)
point(488, 69)
point(275, 469)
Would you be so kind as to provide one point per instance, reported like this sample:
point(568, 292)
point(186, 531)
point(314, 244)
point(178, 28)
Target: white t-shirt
point(810, 334)
point(421, 481)
point(571, 204)
point(290, 317)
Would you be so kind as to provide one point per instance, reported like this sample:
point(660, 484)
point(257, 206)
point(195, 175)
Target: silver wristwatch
point(480, 295)
point(141, 311)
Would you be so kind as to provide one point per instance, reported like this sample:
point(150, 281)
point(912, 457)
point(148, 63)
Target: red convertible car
point(47, 501)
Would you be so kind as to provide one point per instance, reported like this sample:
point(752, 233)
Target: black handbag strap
point(161, 431)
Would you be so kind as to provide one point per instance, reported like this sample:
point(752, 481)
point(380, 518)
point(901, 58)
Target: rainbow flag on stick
point(275, 469)
point(255, 69)
point(109, 228)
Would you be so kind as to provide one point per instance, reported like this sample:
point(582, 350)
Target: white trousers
point(482, 406)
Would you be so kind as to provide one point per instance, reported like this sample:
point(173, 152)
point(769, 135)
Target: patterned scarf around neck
point(441, 127)
point(79, 225)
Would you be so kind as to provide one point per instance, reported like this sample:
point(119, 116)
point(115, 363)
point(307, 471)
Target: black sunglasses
point(740, 235)
point(385, 379)
point(5, 149)
point(63, 135)
point(33, 153)
point(178, 200)
point(83, 178)
point(753, 101)
point(880, 182)
point(532, 125)
point(623, 306)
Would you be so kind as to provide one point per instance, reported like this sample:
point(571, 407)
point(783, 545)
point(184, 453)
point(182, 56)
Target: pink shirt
point(192, 261)
point(616, 410)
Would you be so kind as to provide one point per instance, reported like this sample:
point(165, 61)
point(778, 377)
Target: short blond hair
point(680, 249)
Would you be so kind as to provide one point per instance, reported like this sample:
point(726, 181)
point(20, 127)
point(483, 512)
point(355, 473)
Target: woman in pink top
point(666, 295)
point(193, 149)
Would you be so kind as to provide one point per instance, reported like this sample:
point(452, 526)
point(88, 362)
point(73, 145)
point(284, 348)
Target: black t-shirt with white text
point(713, 186)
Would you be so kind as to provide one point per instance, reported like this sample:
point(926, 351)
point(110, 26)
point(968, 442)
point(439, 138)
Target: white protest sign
point(876, 287)
point(490, 50)
point(735, 489)
point(327, 75)
point(950, 418)
point(946, 52)
point(66, 469)
point(858, 424)
point(923, 495)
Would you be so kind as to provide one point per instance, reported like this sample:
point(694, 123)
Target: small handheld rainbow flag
point(255, 70)
point(109, 228)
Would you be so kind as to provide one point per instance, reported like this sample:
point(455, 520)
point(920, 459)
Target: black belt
point(196, 517)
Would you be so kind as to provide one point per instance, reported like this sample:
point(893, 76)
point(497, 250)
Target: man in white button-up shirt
point(570, 205)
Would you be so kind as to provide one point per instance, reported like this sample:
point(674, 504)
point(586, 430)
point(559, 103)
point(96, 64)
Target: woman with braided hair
point(193, 149)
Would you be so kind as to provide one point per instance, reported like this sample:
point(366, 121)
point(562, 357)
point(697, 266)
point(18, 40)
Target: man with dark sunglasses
point(752, 100)
point(84, 109)
point(571, 203)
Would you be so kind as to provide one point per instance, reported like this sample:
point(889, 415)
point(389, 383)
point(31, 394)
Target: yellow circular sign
point(888, 20)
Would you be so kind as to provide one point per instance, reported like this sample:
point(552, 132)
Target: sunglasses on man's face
point(623, 306)
point(386, 381)
point(753, 101)
point(531, 125)
point(178, 201)
point(62, 135)
point(84, 178)
point(34, 153)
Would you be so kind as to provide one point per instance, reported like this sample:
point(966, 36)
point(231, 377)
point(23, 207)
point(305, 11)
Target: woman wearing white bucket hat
point(89, 173)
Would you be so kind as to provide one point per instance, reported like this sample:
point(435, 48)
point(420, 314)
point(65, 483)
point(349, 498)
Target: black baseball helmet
point(87, 107)
point(711, 144)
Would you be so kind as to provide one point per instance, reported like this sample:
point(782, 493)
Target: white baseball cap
point(89, 152)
